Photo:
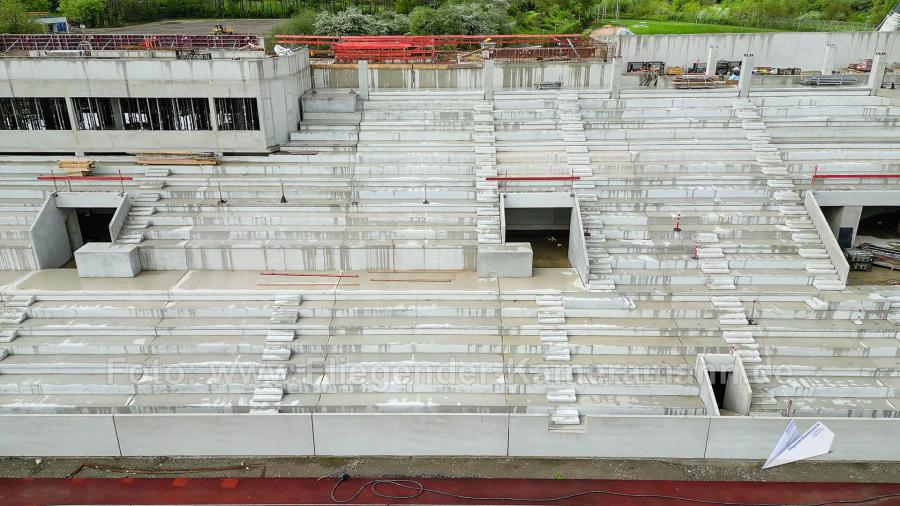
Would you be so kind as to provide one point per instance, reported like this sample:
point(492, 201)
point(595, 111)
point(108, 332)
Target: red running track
point(305, 491)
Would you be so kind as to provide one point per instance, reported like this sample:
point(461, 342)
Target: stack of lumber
point(177, 158)
point(696, 82)
point(76, 166)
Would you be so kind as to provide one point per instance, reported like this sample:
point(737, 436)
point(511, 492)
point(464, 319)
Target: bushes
point(352, 21)
point(14, 18)
point(90, 11)
point(479, 16)
point(461, 18)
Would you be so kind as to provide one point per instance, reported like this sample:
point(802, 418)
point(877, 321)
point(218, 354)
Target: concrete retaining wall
point(511, 76)
point(835, 254)
point(495, 434)
point(578, 255)
point(778, 49)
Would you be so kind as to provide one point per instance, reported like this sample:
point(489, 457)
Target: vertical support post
point(828, 60)
point(614, 77)
point(712, 56)
point(362, 69)
point(213, 114)
point(746, 74)
point(876, 75)
point(70, 110)
point(487, 79)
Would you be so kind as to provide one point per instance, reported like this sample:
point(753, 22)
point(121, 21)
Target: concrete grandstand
point(356, 272)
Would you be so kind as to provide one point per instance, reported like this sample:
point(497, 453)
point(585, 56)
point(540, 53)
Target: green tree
point(83, 10)
point(301, 23)
point(406, 6)
point(880, 9)
point(14, 18)
point(461, 18)
point(350, 21)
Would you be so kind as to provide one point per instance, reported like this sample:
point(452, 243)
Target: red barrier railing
point(855, 176)
point(532, 178)
point(84, 178)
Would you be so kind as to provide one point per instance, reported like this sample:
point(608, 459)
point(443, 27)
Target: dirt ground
point(877, 276)
point(195, 26)
point(535, 468)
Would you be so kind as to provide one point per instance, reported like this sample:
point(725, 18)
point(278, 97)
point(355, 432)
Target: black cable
point(418, 489)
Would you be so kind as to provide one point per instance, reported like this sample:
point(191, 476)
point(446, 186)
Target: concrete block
point(215, 434)
point(59, 435)
point(411, 434)
point(611, 437)
point(106, 260)
point(510, 260)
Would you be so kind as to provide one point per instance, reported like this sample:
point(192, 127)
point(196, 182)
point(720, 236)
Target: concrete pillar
point(615, 78)
point(746, 75)
point(118, 119)
point(876, 76)
point(828, 60)
point(712, 56)
point(844, 224)
point(214, 118)
point(362, 69)
point(487, 79)
point(70, 110)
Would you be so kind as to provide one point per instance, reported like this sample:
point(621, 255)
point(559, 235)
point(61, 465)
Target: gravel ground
point(316, 467)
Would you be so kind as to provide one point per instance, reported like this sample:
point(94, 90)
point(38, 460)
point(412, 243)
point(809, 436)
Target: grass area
point(651, 27)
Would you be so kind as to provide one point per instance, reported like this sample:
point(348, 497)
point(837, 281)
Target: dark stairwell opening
point(546, 229)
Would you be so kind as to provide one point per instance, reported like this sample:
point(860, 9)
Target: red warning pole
point(677, 227)
point(696, 251)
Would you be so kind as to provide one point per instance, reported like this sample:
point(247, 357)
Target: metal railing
point(99, 42)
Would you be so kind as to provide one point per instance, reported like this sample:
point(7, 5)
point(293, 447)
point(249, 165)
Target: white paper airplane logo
point(792, 447)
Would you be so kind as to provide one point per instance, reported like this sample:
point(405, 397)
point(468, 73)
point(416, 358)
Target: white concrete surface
point(214, 434)
point(108, 260)
point(508, 260)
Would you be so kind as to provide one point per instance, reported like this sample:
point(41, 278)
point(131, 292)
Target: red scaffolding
point(427, 48)
point(98, 42)
point(564, 39)
point(385, 52)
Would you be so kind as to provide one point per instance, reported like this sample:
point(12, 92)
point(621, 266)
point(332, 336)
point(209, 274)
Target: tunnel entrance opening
point(546, 229)
point(719, 381)
point(879, 222)
point(68, 221)
point(93, 224)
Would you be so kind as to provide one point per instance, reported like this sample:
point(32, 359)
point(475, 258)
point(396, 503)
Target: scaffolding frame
point(112, 42)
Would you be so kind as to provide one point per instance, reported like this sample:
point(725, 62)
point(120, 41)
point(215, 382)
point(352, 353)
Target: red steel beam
point(533, 178)
point(855, 176)
point(84, 178)
point(437, 40)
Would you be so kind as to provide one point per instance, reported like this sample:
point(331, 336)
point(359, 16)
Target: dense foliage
point(471, 16)
point(14, 17)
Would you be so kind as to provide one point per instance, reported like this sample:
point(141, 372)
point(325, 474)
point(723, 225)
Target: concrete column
point(118, 119)
point(70, 110)
point(213, 117)
point(746, 75)
point(487, 79)
point(712, 56)
point(828, 60)
point(844, 224)
point(876, 76)
point(362, 69)
point(615, 69)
